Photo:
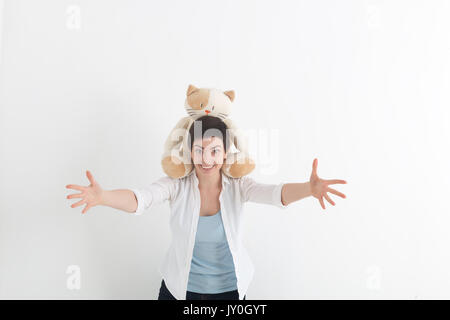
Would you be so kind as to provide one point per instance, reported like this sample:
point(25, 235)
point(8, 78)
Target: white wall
point(97, 85)
point(1, 28)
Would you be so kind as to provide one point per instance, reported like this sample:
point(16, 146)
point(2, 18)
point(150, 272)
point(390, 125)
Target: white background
point(98, 85)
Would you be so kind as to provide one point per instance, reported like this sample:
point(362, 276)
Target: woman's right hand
point(91, 195)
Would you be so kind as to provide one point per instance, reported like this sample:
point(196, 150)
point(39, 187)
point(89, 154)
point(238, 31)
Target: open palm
point(319, 187)
point(90, 195)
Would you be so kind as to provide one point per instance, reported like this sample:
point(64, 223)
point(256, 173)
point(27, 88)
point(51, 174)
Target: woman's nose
point(208, 160)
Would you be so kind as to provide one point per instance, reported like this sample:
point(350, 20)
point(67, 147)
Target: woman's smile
point(207, 168)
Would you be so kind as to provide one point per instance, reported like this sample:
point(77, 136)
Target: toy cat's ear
point(230, 94)
point(191, 89)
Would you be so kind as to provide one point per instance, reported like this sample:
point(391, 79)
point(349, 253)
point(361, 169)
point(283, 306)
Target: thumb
point(90, 177)
point(314, 167)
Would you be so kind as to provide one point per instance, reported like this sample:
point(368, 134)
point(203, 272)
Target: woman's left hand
point(319, 187)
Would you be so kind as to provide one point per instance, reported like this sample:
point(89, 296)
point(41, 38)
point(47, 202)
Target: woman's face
point(208, 155)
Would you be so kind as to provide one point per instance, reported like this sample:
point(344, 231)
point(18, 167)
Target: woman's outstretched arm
point(135, 200)
point(295, 191)
point(121, 199)
point(94, 195)
point(316, 187)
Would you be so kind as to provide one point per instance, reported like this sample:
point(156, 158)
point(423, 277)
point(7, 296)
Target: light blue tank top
point(212, 267)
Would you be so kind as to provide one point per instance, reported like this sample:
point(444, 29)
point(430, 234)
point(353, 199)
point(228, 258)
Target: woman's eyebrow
point(218, 145)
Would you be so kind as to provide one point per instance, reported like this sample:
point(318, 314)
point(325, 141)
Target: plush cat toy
point(176, 161)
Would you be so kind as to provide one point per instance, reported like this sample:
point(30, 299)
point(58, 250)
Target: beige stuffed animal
point(176, 161)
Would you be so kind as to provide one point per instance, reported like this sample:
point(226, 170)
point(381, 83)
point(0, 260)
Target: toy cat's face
point(208, 101)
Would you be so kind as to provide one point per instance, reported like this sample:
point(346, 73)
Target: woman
point(206, 258)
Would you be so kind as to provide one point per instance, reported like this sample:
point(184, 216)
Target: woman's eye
point(198, 151)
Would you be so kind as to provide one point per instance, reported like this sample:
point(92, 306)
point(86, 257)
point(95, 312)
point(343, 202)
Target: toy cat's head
point(208, 101)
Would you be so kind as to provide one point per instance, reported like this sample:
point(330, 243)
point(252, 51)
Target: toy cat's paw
point(174, 167)
point(239, 169)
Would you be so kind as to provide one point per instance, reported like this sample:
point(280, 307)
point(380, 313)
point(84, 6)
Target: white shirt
point(184, 199)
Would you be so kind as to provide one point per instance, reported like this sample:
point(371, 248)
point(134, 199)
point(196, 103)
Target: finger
point(328, 199)
point(79, 203)
point(74, 186)
point(88, 206)
point(90, 177)
point(315, 165)
point(321, 202)
point(340, 194)
point(335, 181)
point(76, 195)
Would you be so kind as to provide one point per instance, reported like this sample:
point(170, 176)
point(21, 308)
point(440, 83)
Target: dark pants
point(164, 294)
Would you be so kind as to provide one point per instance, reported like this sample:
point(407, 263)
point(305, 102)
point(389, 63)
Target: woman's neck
point(209, 181)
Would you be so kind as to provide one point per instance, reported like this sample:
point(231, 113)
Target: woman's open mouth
point(206, 168)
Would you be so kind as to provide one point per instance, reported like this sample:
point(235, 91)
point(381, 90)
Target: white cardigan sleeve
point(157, 192)
point(261, 192)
